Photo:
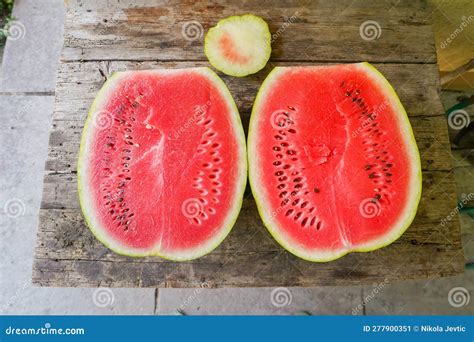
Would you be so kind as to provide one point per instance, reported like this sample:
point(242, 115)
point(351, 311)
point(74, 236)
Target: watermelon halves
point(162, 167)
point(334, 166)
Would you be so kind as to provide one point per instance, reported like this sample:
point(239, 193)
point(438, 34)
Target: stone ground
point(26, 105)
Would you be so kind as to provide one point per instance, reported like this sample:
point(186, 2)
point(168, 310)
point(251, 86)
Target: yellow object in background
point(453, 26)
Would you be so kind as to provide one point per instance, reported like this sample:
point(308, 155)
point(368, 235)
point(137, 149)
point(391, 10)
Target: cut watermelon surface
point(334, 166)
point(238, 45)
point(162, 166)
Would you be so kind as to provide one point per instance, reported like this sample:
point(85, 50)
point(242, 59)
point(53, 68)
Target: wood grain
point(321, 30)
point(106, 36)
point(69, 255)
point(78, 82)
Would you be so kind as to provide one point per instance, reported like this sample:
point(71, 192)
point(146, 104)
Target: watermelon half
point(162, 166)
point(334, 166)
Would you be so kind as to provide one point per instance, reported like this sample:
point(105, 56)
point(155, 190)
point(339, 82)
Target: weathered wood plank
point(78, 83)
point(68, 255)
point(303, 30)
point(434, 206)
point(429, 248)
point(106, 36)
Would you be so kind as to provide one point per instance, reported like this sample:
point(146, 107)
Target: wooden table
point(110, 35)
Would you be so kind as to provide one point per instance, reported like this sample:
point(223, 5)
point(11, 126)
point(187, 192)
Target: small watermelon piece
point(333, 163)
point(239, 45)
point(162, 166)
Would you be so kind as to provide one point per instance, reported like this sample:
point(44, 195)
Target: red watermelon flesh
point(334, 166)
point(162, 168)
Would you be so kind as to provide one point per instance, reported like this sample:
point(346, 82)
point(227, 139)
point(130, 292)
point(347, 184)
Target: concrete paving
point(259, 301)
point(34, 45)
point(28, 70)
point(440, 296)
point(25, 123)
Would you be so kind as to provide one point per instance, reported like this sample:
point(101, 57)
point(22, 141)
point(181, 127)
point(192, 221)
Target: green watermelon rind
point(87, 211)
point(229, 69)
point(326, 256)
